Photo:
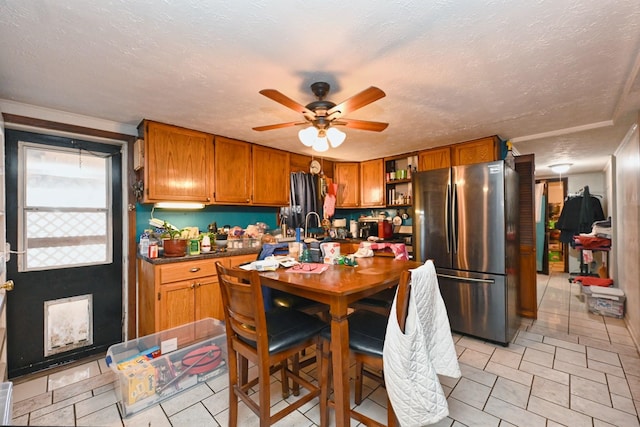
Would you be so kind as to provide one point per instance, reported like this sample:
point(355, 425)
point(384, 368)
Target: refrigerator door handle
point(454, 219)
point(466, 279)
point(447, 218)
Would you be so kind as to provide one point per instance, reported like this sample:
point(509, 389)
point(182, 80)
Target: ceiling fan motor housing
point(320, 89)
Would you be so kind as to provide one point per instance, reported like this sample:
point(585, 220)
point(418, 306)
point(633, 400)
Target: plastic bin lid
point(616, 292)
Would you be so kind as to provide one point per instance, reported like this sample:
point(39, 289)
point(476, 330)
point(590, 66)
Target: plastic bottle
point(194, 247)
point(144, 245)
point(509, 159)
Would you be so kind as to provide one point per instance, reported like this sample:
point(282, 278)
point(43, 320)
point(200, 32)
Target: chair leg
point(324, 379)
point(265, 395)
point(233, 381)
point(358, 383)
point(296, 370)
point(284, 378)
point(392, 421)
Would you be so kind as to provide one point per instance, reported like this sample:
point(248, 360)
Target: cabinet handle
point(193, 285)
point(194, 269)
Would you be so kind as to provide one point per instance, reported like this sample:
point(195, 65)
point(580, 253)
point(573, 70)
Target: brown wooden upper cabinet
point(177, 163)
point(436, 158)
point(476, 151)
point(232, 171)
point(465, 153)
point(347, 176)
point(270, 176)
point(372, 184)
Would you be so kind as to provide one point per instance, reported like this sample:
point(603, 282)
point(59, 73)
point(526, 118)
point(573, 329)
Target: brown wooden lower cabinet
point(180, 292)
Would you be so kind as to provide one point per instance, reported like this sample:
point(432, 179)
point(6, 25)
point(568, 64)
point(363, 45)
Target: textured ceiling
point(558, 77)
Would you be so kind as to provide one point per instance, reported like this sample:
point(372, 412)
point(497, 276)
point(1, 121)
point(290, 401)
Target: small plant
point(171, 232)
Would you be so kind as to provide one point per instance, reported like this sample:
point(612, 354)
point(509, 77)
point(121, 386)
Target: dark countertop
point(208, 255)
point(358, 241)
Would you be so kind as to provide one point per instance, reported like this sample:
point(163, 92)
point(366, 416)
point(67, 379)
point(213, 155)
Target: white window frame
point(23, 210)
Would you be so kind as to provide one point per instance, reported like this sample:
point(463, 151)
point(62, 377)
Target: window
point(64, 207)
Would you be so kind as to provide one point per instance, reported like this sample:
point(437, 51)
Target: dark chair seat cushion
point(366, 332)
point(286, 328)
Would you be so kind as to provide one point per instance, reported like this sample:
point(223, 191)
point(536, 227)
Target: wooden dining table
point(338, 287)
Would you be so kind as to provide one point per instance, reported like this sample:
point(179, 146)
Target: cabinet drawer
point(186, 270)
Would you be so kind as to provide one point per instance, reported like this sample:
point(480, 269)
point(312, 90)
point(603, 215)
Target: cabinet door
point(476, 151)
point(177, 163)
point(347, 176)
point(232, 171)
point(177, 304)
point(527, 286)
point(436, 158)
point(372, 183)
point(208, 301)
point(270, 176)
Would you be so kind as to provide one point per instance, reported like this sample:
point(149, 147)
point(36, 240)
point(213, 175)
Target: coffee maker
point(367, 228)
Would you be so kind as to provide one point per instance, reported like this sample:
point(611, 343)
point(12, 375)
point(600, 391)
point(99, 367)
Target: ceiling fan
point(323, 114)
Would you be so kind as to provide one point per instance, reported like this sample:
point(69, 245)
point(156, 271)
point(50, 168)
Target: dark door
point(55, 289)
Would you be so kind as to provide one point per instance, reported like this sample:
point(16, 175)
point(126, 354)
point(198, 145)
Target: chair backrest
point(243, 304)
point(402, 298)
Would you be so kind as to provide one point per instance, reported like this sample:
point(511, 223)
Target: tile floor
point(568, 367)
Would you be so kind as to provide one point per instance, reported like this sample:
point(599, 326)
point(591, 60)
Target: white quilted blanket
point(413, 359)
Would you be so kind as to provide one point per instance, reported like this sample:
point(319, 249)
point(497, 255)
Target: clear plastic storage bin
point(605, 301)
point(6, 402)
point(155, 367)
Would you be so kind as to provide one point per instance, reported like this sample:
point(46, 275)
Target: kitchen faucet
point(306, 222)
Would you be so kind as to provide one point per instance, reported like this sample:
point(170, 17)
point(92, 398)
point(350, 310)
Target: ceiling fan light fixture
point(321, 144)
point(335, 136)
point(560, 167)
point(308, 136)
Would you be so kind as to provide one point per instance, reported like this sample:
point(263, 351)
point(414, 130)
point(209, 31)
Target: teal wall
point(222, 215)
point(234, 216)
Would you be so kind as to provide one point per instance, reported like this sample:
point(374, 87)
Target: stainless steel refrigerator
point(466, 221)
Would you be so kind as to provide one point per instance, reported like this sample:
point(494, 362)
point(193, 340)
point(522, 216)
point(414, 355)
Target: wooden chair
point(366, 341)
point(265, 339)
point(380, 302)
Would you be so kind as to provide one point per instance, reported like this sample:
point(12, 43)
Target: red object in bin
point(593, 281)
point(203, 359)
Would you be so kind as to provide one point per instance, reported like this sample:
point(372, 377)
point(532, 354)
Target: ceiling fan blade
point(278, 126)
point(357, 101)
point(283, 99)
point(361, 124)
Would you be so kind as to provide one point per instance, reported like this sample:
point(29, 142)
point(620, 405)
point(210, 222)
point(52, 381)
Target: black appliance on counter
point(367, 227)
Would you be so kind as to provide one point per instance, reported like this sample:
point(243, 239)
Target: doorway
point(554, 253)
point(556, 250)
point(64, 215)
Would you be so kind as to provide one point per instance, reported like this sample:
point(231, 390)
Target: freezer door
point(477, 305)
point(478, 229)
point(431, 223)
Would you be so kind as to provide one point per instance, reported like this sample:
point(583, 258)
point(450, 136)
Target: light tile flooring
point(568, 367)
